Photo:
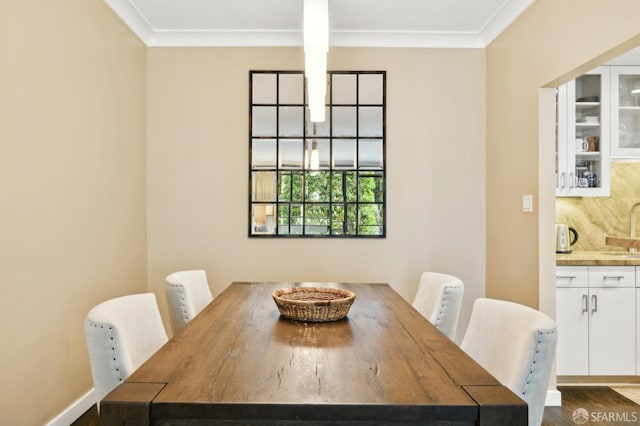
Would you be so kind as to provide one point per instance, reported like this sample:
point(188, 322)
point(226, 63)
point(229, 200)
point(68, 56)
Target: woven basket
point(314, 304)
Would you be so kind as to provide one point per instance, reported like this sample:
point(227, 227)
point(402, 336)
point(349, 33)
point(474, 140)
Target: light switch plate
point(527, 203)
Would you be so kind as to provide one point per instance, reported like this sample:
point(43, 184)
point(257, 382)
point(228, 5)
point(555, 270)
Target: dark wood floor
point(603, 407)
point(90, 418)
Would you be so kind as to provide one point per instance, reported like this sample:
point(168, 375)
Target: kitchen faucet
point(632, 228)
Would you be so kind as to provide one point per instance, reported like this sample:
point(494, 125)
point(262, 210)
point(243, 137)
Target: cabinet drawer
point(572, 276)
point(612, 276)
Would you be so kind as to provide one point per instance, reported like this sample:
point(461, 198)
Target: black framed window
point(323, 179)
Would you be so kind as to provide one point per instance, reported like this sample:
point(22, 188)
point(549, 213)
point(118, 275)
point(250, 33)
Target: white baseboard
point(553, 399)
point(75, 410)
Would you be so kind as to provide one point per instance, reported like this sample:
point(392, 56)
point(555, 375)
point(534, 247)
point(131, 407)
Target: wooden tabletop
point(238, 362)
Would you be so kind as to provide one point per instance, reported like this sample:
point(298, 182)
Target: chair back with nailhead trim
point(187, 294)
point(121, 334)
point(439, 299)
point(517, 345)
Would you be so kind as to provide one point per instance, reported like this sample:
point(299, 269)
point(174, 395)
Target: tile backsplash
point(597, 217)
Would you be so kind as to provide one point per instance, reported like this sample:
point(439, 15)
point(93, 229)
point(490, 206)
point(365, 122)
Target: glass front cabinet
point(582, 143)
point(625, 111)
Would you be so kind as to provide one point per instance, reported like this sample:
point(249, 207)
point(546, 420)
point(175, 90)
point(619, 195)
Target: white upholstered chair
point(439, 299)
point(121, 334)
point(187, 294)
point(517, 345)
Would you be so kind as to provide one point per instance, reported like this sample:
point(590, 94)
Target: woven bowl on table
point(313, 304)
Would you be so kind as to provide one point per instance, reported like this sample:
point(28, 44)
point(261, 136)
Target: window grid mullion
point(354, 206)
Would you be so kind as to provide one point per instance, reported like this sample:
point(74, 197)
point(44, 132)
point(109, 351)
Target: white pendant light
point(316, 47)
point(314, 164)
point(312, 155)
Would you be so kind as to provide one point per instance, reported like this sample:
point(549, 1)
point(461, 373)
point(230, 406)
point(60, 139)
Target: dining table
point(239, 362)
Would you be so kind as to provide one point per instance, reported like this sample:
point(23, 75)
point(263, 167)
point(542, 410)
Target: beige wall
point(198, 171)
point(72, 192)
point(552, 41)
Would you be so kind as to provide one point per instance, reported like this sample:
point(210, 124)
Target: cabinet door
point(612, 331)
point(625, 111)
point(583, 136)
point(562, 156)
point(572, 320)
point(638, 333)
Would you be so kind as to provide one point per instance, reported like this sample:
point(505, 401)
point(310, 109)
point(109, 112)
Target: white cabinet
point(637, 332)
point(582, 142)
point(572, 319)
point(596, 318)
point(625, 111)
point(612, 276)
point(612, 331)
point(637, 320)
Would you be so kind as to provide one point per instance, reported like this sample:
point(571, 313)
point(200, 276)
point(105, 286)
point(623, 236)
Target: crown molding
point(408, 39)
point(224, 38)
point(295, 38)
point(133, 18)
point(509, 11)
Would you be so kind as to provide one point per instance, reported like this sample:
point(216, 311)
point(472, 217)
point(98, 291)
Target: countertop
point(586, 258)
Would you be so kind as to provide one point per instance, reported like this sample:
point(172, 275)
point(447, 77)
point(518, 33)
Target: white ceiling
point(374, 23)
